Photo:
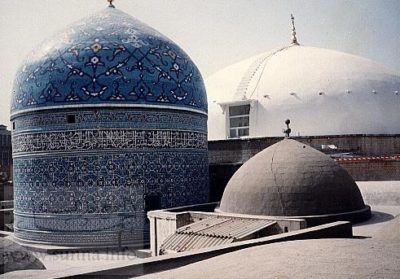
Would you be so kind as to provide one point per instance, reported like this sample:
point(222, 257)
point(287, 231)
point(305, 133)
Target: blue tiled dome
point(109, 58)
point(109, 122)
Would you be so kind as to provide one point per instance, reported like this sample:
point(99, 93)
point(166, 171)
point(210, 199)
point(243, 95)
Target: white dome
point(322, 92)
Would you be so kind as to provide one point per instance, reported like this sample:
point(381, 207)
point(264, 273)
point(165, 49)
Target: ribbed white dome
point(323, 92)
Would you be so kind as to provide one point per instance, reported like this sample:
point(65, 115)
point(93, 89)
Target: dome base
point(52, 240)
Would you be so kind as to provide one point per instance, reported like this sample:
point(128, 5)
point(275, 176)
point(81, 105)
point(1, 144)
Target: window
point(239, 119)
point(70, 118)
point(152, 202)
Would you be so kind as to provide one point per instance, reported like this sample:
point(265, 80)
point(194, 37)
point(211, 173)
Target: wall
point(226, 156)
point(6, 191)
point(5, 152)
point(368, 145)
point(164, 224)
point(6, 206)
point(374, 170)
point(240, 150)
point(6, 219)
point(219, 177)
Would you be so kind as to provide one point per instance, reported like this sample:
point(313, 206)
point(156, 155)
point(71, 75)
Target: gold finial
point(294, 39)
point(111, 5)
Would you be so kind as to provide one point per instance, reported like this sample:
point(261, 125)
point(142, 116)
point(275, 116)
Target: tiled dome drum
point(110, 120)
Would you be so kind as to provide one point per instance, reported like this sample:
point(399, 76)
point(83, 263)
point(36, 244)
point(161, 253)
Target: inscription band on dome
point(106, 139)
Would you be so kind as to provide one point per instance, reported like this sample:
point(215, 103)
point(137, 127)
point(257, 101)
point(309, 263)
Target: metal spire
point(111, 5)
point(288, 130)
point(294, 39)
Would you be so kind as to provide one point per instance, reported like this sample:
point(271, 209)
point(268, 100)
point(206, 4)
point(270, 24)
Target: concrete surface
point(322, 258)
point(15, 257)
point(380, 216)
point(103, 268)
point(374, 252)
point(59, 262)
point(390, 231)
point(59, 265)
point(380, 192)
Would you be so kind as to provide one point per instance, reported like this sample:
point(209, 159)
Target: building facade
point(5, 151)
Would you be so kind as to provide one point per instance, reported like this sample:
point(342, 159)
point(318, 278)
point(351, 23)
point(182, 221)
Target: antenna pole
point(294, 38)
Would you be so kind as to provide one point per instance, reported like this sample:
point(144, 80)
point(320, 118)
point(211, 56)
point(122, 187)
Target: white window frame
point(225, 109)
point(237, 129)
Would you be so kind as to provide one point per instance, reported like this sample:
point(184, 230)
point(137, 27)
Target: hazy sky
point(215, 33)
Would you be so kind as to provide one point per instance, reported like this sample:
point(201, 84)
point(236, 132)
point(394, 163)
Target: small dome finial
point(288, 130)
point(111, 5)
point(294, 39)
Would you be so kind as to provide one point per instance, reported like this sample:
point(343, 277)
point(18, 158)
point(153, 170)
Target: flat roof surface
point(359, 257)
point(320, 258)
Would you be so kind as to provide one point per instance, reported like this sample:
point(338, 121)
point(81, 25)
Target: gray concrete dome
point(292, 179)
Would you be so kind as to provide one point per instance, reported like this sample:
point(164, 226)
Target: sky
point(215, 33)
